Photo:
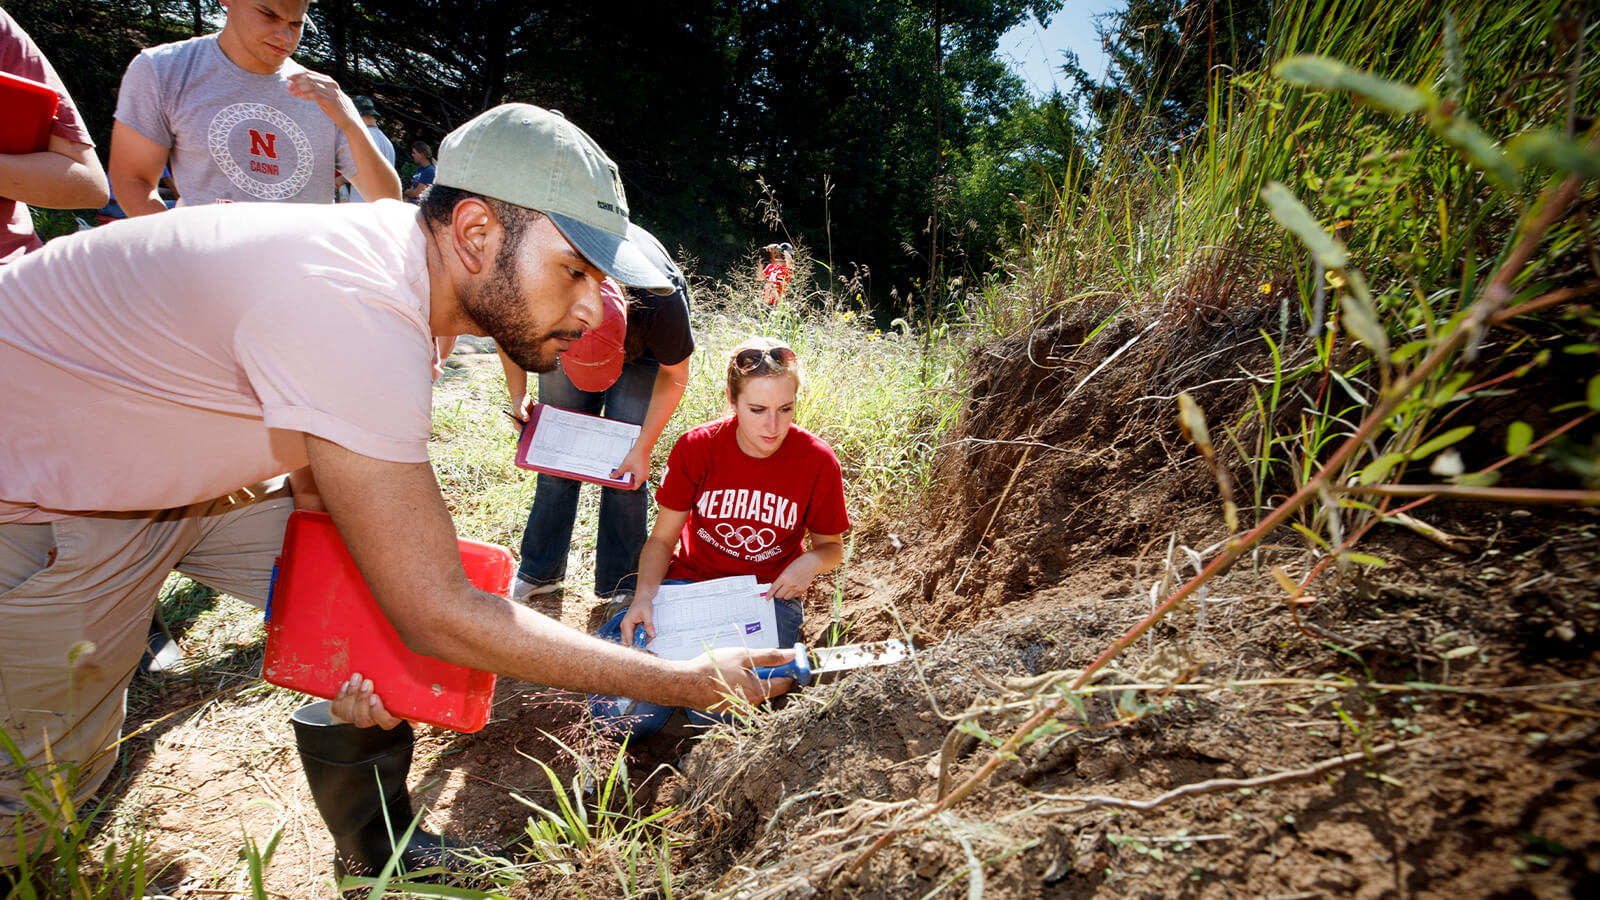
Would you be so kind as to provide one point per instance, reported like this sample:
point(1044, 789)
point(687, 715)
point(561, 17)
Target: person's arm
point(65, 175)
point(304, 488)
point(443, 346)
point(393, 519)
point(827, 550)
point(516, 386)
point(136, 166)
point(654, 557)
point(373, 177)
point(171, 186)
point(664, 396)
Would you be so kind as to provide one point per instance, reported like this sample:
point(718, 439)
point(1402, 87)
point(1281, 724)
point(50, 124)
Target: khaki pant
point(76, 599)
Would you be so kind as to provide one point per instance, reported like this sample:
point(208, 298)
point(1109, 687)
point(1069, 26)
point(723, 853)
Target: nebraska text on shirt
point(763, 506)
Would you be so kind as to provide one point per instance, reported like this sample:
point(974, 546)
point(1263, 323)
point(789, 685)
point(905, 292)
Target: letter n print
point(263, 144)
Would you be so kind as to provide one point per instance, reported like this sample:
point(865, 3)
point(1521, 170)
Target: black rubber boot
point(161, 652)
point(355, 775)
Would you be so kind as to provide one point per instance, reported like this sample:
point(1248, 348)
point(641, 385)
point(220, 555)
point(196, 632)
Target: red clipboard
point(323, 625)
point(530, 427)
point(30, 114)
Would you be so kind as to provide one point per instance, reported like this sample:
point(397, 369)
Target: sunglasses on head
point(748, 361)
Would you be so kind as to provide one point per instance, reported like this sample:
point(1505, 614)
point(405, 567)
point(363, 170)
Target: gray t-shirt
point(234, 135)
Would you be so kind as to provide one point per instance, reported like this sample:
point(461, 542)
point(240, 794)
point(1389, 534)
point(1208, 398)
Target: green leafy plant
point(61, 862)
point(596, 821)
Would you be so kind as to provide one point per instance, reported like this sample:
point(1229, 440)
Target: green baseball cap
point(534, 158)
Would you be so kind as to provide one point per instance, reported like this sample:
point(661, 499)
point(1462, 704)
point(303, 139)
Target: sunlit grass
point(1177, 229)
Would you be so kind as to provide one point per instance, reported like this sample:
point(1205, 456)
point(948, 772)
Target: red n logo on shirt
point(261, 144)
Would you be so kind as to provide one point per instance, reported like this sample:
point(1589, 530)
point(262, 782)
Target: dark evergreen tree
point(1164, 55)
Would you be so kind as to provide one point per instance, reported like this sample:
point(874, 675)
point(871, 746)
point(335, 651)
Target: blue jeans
point(621, 717)
point(623, 514)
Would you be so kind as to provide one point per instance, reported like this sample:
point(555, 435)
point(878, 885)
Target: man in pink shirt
point(149, 394)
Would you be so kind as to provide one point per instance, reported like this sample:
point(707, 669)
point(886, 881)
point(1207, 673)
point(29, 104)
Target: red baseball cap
point(594, 361)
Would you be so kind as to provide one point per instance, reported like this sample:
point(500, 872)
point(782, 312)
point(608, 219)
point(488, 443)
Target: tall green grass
point(1142, 223)
point(1424, 211)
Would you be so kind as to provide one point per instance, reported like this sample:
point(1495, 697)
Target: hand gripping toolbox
point(323, 625)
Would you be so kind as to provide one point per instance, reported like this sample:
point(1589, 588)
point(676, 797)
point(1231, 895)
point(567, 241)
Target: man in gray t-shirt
point(239, 120)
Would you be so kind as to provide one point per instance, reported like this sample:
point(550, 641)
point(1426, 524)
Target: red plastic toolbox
point(323, 625)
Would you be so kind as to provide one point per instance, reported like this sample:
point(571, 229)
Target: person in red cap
point(632, 368)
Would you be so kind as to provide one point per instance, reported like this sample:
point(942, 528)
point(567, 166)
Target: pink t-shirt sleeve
point(369, 393)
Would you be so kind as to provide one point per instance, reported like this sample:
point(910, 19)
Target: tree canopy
point(1163, 56)
point(859, 123)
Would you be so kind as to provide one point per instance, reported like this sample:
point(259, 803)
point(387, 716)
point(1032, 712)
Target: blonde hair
point(767, 366)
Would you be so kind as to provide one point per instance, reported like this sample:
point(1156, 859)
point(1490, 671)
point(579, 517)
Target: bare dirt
point(1425, 729)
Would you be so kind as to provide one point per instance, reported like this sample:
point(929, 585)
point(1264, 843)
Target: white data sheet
point(727, 612)
point(583, 445)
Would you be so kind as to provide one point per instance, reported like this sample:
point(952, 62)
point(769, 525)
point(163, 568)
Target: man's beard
point(499, 309)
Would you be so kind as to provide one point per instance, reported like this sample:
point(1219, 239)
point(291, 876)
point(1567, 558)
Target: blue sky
point(1035, 52)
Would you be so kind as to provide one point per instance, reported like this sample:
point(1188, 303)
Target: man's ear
point(474, 232)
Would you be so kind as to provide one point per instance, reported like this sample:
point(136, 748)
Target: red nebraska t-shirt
point(748, 515)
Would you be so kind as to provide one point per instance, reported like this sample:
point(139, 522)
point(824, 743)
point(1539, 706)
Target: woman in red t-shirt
point(739, 497)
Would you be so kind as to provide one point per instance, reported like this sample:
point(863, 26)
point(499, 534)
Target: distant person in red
point(777, 269)
point(65, 175)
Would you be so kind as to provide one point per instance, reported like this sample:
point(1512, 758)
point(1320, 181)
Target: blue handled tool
point(798, 668)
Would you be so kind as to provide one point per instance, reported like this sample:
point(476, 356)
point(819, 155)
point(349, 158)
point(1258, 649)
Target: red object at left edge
point(30, 114)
